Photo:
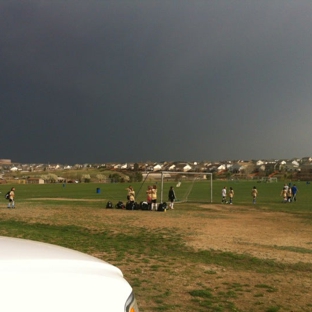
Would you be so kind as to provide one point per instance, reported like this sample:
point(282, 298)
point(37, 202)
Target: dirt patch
point(263, 234)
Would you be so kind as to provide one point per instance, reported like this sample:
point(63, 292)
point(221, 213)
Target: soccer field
point(199, 192)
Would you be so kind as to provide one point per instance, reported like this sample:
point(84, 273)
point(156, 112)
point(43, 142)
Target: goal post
point(188, 186)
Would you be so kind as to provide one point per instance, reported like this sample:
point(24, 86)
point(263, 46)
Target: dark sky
point(126, 81)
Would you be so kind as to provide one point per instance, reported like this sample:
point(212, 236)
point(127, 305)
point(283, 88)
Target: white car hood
point(42, 277)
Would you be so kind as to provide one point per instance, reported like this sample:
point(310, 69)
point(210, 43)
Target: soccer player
point(223, 194)
point(254, 194)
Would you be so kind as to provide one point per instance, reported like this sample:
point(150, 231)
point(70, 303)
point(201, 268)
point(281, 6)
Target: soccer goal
point(188, 186)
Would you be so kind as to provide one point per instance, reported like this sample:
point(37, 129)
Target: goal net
point(188, 186)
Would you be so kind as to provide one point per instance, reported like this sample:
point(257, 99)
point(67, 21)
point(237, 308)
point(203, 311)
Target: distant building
point(35, 181)
point(5, 161)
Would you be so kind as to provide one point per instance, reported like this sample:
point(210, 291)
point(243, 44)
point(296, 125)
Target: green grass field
point(269, 193)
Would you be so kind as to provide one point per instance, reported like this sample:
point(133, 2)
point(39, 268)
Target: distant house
point(295, 164)
point(306, 159)
point(221, 167)
point(35, 181)
point(157, 167)
point(187, 168)
point(172, 167)
point(132, 166)
point(181, 167)
point(261, 168)
point(237, 168)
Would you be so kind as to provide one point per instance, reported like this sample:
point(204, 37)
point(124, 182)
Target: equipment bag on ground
point(162, 207)
point(144, 205)
point(109, 204)
point(120, 205)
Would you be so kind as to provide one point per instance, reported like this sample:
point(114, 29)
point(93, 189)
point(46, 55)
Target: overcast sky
point(126, 81)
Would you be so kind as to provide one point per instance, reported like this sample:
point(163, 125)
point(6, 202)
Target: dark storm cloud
point(97, 81)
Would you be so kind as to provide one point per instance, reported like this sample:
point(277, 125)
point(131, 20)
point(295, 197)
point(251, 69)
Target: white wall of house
point(172, 167)
point(124, 166)
point(187, 168)
point(157, 167)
